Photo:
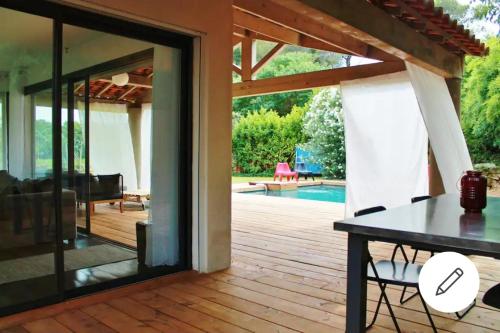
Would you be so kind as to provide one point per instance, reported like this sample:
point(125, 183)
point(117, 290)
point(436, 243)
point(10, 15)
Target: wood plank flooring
point(288, 274)
point(108, 222)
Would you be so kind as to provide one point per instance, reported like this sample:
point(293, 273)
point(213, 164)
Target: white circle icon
point(449, 282)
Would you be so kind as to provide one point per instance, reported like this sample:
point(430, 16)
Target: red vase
point(473, 193)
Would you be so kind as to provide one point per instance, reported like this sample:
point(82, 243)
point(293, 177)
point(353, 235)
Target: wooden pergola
point(390, 31)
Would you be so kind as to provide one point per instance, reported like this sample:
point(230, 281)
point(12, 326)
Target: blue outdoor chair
point(301, 169)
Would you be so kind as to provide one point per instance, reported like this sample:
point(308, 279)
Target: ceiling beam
point(78, 87)
point(126, 93)
point(266, 28)
point(379, 29)
point(136, 81)
point(106, 88)
point(268, 57)
point(236, 41)
point(319, 79)
point(236, 69)
point(302, 24)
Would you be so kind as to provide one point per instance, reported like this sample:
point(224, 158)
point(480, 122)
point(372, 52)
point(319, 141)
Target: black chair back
point(370, 210)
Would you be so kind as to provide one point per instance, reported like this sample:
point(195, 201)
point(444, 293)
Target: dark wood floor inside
point(109, 223)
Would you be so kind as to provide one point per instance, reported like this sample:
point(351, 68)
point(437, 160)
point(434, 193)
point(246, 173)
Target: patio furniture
point(103, 189)
point(391, 272)
point(283, 170)
point(492, 297)
point(437, 222)
point(301, 169)
point(26, 212)
point(138, 196)
point(432, 250)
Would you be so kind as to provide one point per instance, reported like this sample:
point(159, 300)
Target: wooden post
point(435, 181)
point(248, 56)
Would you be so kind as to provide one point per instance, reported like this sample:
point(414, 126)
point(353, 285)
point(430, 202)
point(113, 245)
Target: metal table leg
point(357, 260)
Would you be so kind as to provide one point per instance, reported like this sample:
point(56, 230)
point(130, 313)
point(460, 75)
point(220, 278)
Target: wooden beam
point(106, 88)
point(312, 80)
point(236, 69)
point(127, 92)
point(236, 41)
point(136, 80)
point(304, 41)
point(283, 16)
point(313, 43)
point(373, 26)
point(268, 57)
point(247, 58)
point(266, 28)
point(239, 32)
point(78, 87)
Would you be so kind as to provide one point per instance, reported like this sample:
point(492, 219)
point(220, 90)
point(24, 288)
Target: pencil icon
point(449, 281)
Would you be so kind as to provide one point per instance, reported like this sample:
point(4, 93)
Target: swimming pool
point(317, 192)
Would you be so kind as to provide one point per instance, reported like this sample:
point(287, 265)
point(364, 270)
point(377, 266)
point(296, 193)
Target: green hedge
point(262, 139)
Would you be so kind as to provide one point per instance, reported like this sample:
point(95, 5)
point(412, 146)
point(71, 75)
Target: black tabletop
point(437, 221)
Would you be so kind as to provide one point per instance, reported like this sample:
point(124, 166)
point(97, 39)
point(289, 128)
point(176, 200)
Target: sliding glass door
point(98, 140)
point(27, 207)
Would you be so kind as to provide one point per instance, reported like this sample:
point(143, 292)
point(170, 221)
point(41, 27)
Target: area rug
point(42, 265)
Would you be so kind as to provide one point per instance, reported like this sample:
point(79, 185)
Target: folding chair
point(402, 300)
point(391, 272)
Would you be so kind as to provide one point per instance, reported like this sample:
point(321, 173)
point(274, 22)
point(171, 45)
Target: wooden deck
point(288, 274)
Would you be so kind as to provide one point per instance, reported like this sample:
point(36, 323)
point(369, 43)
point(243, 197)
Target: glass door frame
point(62, 14)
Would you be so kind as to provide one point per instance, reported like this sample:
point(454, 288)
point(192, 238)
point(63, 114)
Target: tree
point(487, 9)
point(480, 115)
point(457, 10)
point(286, 63)
point(324, 125)
point(477, 15)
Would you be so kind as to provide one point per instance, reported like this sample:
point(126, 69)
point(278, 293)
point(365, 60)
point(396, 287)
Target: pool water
point(317, 192)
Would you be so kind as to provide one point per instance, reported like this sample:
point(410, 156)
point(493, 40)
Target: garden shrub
point(324, 125)
point(480, 114)
point(262, 139)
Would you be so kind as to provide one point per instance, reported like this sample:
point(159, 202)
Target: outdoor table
point(438, 223)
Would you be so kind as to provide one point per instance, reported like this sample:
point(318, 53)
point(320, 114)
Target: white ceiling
point(26, 39)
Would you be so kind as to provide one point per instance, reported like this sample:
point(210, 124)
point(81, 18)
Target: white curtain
point(20, 130)
point(111, 149)
point(163, 236)
point(445, 134)
point(386, 142)
point(145, 147)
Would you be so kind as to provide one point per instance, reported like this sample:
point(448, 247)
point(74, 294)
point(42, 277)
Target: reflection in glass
point(27, 225)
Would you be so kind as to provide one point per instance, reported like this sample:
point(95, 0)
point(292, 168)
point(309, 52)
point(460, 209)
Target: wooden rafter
point(236, 69)
point(106, 88)
point(375, 27)
point(236, 41)
point(312, 80)
point(135, 80)
point(78, 87)
point(266, 28)
point(317, 35)
point(126, 93)
point(268, 57)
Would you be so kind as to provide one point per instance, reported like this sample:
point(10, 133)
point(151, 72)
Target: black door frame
point(61, 14)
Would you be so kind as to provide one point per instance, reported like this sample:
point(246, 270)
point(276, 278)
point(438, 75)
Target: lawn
point(245, 179)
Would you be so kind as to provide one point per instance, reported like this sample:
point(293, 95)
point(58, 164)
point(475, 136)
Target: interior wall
point(212, 21)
